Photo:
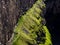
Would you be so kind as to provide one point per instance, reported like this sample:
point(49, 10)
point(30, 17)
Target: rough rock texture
point(8, 15)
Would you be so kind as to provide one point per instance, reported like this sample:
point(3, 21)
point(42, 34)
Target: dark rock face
point(53, 19)
point(8, 15)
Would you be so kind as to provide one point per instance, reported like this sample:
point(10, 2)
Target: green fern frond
point(30, 28)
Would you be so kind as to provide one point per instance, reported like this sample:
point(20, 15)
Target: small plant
point(31, 29)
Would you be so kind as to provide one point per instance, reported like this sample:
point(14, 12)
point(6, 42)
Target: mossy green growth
point(30, 29)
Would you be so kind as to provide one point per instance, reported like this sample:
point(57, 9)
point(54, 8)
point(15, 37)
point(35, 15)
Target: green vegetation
point(30, 29)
